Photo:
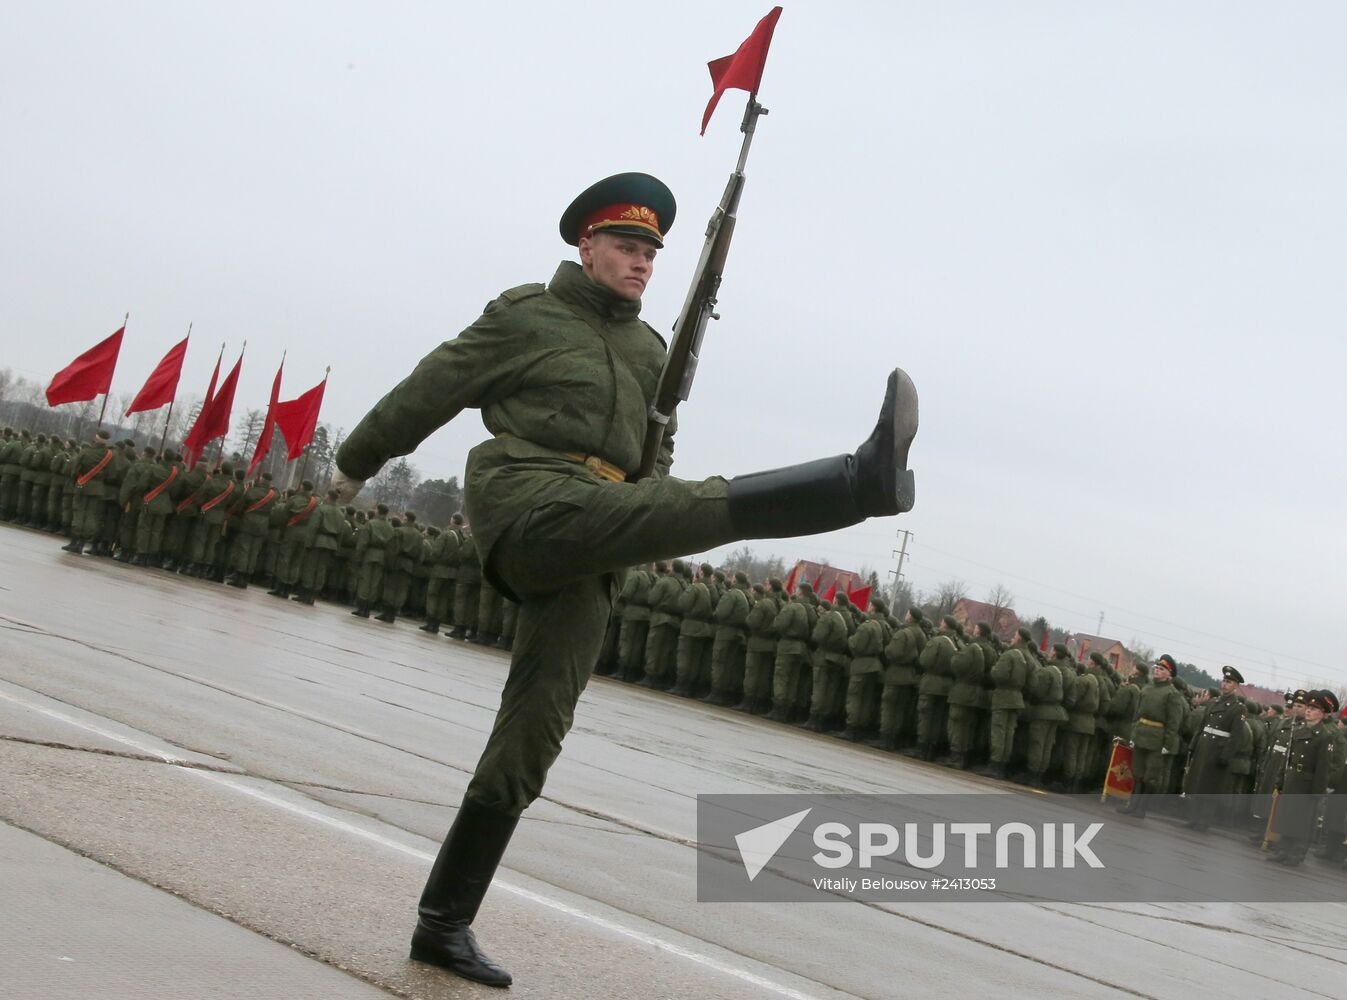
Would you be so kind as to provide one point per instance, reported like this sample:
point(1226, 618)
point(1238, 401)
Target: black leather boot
point(459, 879)
point(432, 626)
point(835, 492)
point(387, 615)
point(75, 546)
point(361, 609)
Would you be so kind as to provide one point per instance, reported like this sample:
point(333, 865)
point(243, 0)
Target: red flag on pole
point(162, 385)
point(298, 417)
point(860, 598)
point(214, 419)
point(264, 442)
point(832, 592)
point(743, 70)
point(89, 375)
point(188, 451)
point(790, 580)
point(1043, 643)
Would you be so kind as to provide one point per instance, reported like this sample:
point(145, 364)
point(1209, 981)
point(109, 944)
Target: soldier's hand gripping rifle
point(675, 381)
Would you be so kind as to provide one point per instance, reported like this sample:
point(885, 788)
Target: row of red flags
point(90, 375)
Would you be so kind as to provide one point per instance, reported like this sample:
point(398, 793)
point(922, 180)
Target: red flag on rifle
point(1043, 643)
point(298, 417)
point(87, 376)
point(832, 591)
point(269, 424)
point(162, 385)
point(743, 70)
point(214, 419)
point(860, 598)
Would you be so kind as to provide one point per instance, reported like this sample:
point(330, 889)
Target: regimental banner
point(1119, 781)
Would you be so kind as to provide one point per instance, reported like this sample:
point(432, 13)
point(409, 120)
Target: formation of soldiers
point(151, 510)
point(929, 689)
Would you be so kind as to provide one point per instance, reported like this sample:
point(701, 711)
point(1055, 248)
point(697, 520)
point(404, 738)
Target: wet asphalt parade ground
point(207, 792)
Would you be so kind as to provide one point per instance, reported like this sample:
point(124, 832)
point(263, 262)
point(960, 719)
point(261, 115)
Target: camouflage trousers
point(150, 533)
point(932, 712)
point(897, 705)
point(631, 645)
point(1003, 724)
point(962, 727)
point(863, 694)
point(727, 666)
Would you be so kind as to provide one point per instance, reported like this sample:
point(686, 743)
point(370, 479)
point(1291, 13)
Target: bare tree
point(946, 595)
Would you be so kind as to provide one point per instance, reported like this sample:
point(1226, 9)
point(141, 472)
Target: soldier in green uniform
point(90, 468)
point(328, 526)
point(829, 639)
point(1156, 735)
point(1310, 761)
point(468, 573)
point(564, 375)
point(212, 502)
point(28, 463)
point(295, 515)
point(401, 556)
point(440, 553)
point(10, 469)
point(636, 620)
point(489, 612)
point(865, 668)
point(250, 516)
point(696, 634)
point(1212, 752)
point(153, 503)
point(760, 653)
point(967, 667)
point(934, 685)
point(1009, 674)
point(727, 651)
point(371, 540)
point(1077, 735)
point(661, 642)
point(792, 629)
point(898, 697)
point(1043, 691)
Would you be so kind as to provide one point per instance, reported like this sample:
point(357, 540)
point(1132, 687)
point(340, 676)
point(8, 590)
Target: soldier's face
point(621, 264)
point(1313, 715)
point(1228, 687)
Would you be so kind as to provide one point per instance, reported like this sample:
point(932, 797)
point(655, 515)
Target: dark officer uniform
point(564, 375)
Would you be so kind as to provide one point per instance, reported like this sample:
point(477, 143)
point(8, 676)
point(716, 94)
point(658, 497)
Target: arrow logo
point(760, 844)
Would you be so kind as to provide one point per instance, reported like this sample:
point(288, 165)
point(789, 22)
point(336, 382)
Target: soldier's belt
point(596, 465)
point(1213, 731)
point(1152, 723)
point(1279, 749)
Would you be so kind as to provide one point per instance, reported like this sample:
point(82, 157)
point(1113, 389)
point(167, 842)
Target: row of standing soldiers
point(937, 692)
point(153, 510)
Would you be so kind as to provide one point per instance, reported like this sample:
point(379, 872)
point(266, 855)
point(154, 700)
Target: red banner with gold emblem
point(1118, 781)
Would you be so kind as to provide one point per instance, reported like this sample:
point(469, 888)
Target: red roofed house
point(968, 613)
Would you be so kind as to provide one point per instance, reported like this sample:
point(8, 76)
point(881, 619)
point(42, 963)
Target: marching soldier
point(325, 536)
point(468, 581)
point(936, 662)
point(967, 669)
point(251, 517)
point(153, 504)
point(830, 638)
point(565, 375)
point(696, 634)
point(294, 518)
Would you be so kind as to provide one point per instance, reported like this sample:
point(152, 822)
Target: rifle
point(675, 381)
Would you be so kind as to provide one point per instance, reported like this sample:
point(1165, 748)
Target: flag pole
point(163, 438)
point(103, 411)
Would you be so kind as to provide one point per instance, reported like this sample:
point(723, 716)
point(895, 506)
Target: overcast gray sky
point(1106, 240)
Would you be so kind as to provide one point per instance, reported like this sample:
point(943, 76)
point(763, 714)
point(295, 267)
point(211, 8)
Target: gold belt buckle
point(594, 464)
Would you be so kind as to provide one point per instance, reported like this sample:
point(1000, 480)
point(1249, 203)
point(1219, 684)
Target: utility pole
point(1099, 629)
point(902, 557)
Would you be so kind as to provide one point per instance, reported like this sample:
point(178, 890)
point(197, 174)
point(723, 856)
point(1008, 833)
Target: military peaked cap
point(1231, 674)
point(1166, 660)
point(632, 204)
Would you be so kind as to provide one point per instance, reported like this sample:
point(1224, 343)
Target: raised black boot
point(832, 493)
point(458, 880)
